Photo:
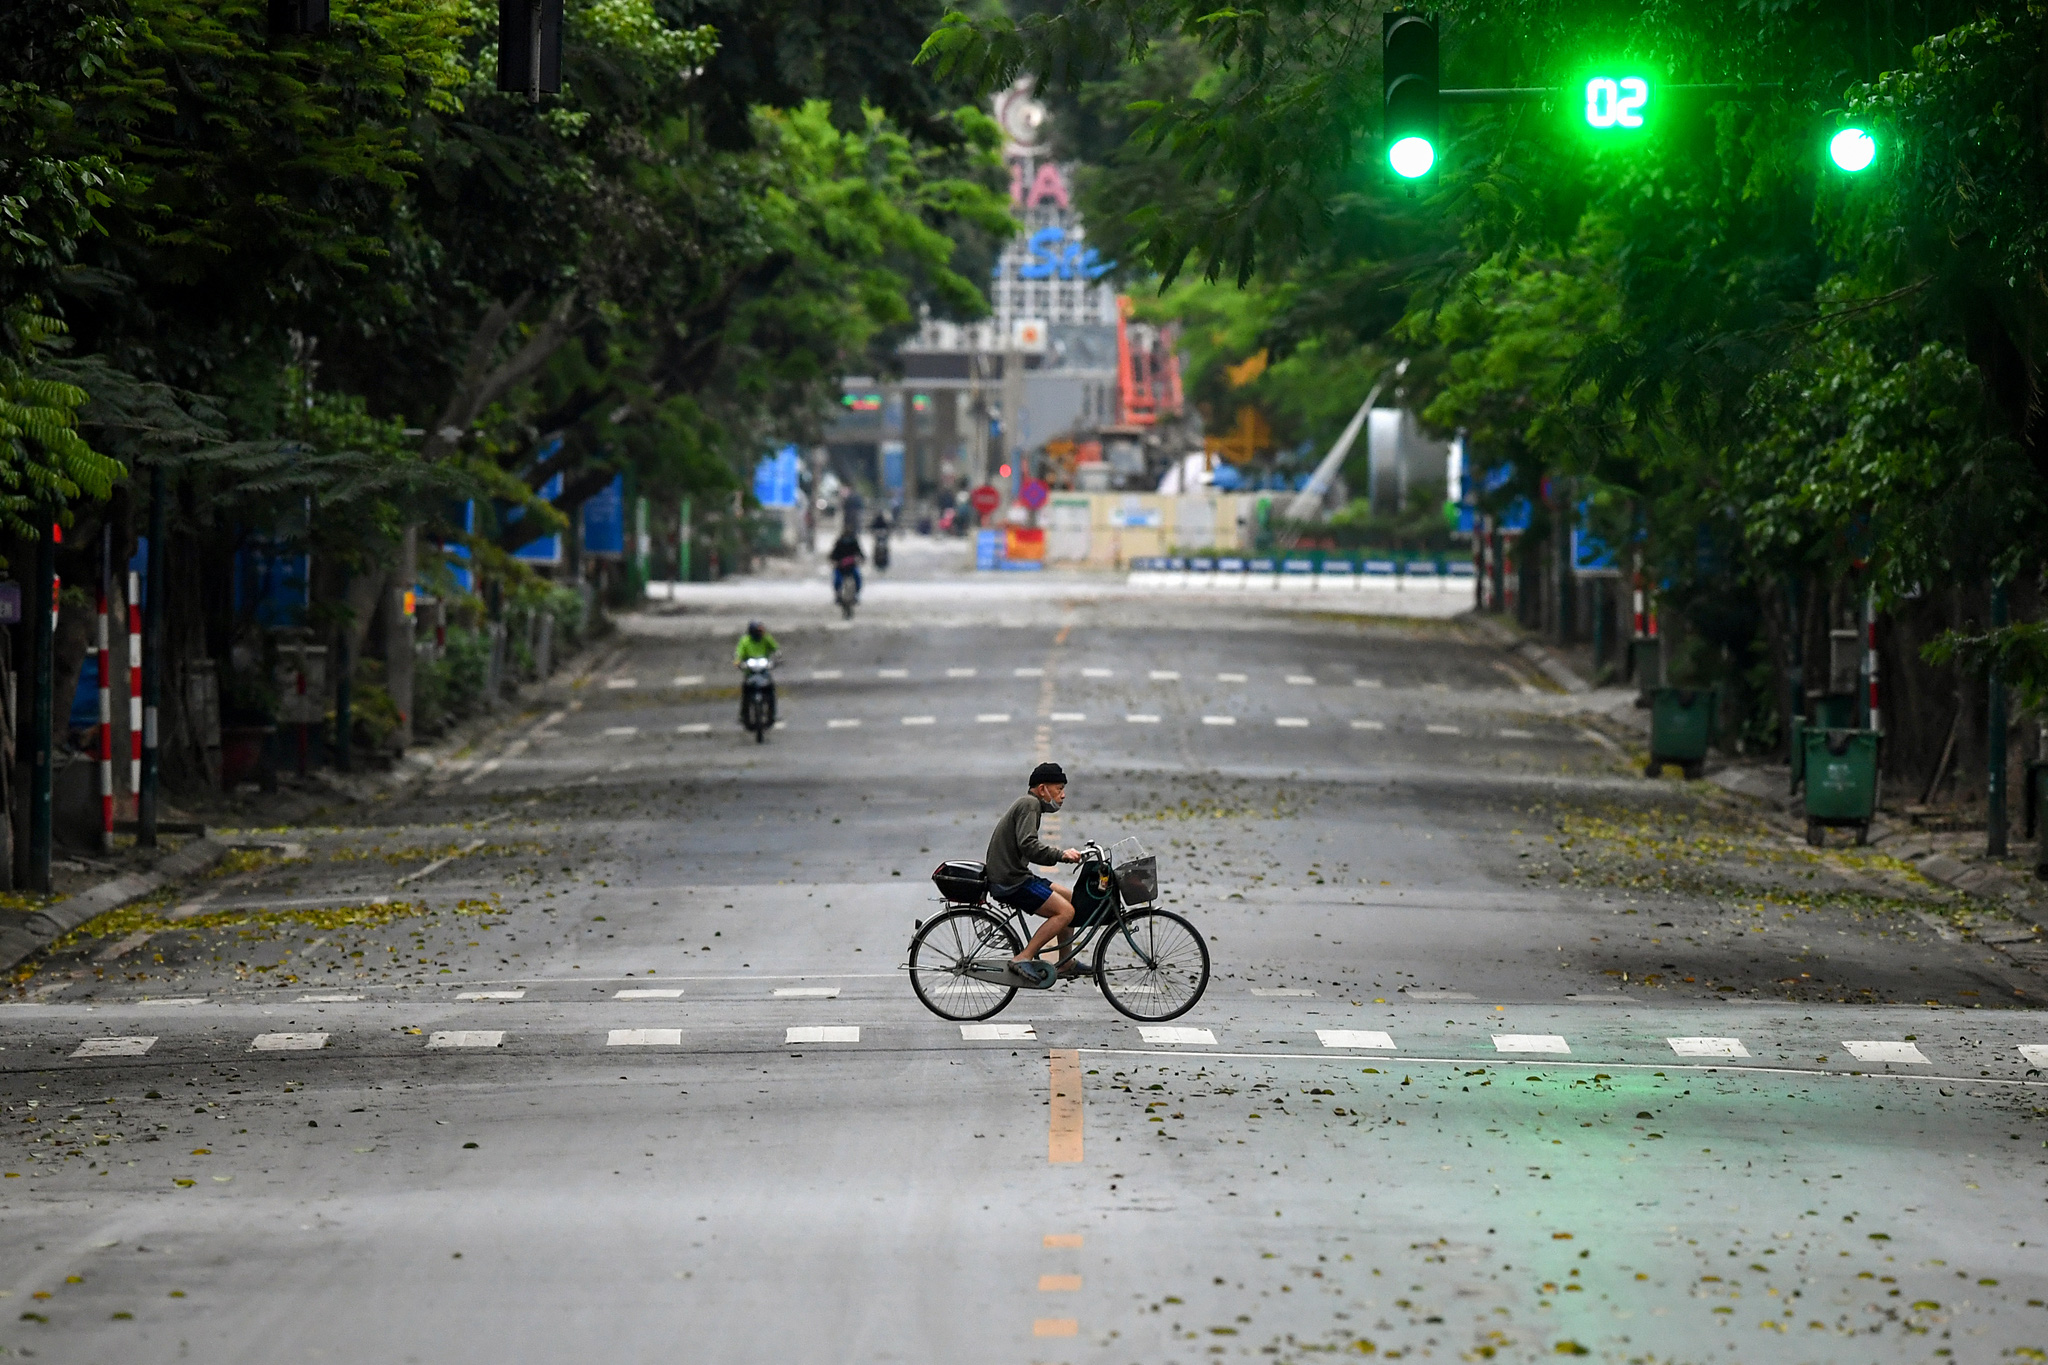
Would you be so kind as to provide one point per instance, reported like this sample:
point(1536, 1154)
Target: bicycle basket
point(1137, 882)
point(1125, 851)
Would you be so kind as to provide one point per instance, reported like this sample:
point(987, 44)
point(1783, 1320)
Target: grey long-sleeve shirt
point(1016, 844)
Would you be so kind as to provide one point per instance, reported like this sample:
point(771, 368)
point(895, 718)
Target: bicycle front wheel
point(1153, 965)
point(943, 950)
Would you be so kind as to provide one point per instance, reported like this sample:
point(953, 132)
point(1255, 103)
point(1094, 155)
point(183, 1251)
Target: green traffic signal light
point(1411, 157)
point(1616, 102)
point(1852, 149)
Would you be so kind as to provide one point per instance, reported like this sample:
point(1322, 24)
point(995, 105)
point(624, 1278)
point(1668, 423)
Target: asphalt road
point(599, 1046)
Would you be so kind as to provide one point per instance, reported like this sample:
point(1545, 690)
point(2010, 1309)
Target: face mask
point(1046, 807)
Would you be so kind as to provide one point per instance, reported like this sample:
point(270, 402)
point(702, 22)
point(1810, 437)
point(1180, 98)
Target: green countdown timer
point(1616, 102)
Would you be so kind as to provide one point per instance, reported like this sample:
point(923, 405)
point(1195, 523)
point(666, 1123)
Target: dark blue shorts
point(1027, 895)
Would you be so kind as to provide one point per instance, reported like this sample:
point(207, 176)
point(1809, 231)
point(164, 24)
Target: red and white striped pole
point(135, 684)
point(106, 723)
point(1870, 652)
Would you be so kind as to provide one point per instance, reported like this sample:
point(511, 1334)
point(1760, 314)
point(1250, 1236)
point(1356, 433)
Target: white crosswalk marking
point(1355, 1037)
point(807, 992)
point(114, 1047)
point(1529, 1042)
point(2035, 1053)
point(519, 994)
point(466, 1037)
point(1219, 720)
point(644, 994)
point(842, 724)
point(644, 1037)
point(288, 1042)
point(1291, 722)
point(694, 728)
point(1161, 1034)
point(997, 1033)
point(1068, 715)
point(993, 718)
point(920, 720)
point(1368, 725)
point(1887, 1051)
point(1142, 720)
point(1708, 1047)
point(822, 1033)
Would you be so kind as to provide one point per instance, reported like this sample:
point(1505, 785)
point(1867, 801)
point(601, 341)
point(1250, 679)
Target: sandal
point(1073, 971)
point(1034, 974)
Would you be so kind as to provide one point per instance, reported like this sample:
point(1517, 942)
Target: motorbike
point(845, 587)
point(757, 698)
point(881, 548)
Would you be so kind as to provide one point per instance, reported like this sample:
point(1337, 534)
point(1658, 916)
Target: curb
point(1542, 659)
point(19, 942)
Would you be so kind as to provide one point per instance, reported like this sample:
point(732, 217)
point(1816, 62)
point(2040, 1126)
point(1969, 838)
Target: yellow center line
point(1063, 1143)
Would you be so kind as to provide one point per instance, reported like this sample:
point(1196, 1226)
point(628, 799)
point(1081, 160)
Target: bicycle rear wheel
point(1152, 966)
point(943, 950)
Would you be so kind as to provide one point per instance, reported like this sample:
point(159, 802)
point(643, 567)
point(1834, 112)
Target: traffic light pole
point(1536, 94)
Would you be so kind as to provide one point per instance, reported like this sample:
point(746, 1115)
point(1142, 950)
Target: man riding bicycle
point(1011, 849)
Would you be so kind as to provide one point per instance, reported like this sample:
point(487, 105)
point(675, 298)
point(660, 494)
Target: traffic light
point(1852, 149)
point(1410, 66)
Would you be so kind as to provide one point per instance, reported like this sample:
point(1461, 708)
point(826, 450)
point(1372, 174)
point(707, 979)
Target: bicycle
point(1150, 964)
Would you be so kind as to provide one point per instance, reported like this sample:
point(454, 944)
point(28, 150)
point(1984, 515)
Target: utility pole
point(152, 665)
point(344, 692)
point(43, 606)
point(1994, 740)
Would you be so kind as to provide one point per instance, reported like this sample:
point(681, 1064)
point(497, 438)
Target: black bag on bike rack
point(1094, 894)
point(962, 881)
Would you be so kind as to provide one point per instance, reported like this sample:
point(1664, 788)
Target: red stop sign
point(985, 499)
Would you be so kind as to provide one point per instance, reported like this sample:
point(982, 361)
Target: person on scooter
point(755, 643)
point(846, 556)
point(879, 529)
point(1011, 849)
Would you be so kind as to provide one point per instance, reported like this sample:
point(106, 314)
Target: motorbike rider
point(846, 556)
point(879, 528)
point(755, 643)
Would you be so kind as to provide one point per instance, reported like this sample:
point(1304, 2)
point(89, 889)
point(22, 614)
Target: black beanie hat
point(1047, 772)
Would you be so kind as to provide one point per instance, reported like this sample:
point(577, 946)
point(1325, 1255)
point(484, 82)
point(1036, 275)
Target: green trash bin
point(1824, 711)
point(1841, 781)
point(1682, 722)
point(2036, 805)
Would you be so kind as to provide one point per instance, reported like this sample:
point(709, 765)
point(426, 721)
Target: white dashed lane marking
point(1518, 734)
point(328, 999)
point(1219, 720)
point(1230, 677)
point(288, 1042)
point(1164, 675)
point(959, 672)
point(1098, 673)
point(1708, 1047)
point(616, 683)
point(1272, 991)
point(621, 731)
point(993, 718)
point(997, 1033)
point(825, 674)
point(644, 1037)
point(493, 995)
point(892, 672)
point(920, 720)
point(1529, 1042)
point(1159, 1034)
point(114, 1047)
point(807, 992)
point(1355, 1037)
point(466, 1037)
point(649, 995)
point(686, 680)
point(694, 728)
point(1069, 715)
point(1142, 720)
point(1027, 672)
point(1291, 722)
point(1300, 680)
point(823, 1033)
point(1368, 725)
point(1441, 729)
point(1366, 682)
point(1883, 1051)
point(842, 724)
